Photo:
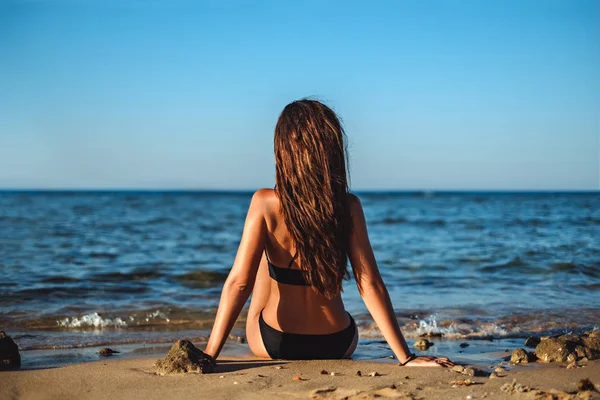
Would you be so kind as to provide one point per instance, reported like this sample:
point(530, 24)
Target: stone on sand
point(514, 387)
point(585, 384)
point(332, 393)
point(9, 353)
point(184, 357)
point(521, 356)
point(470, 371)
point(422, 344)
point(106, 352)
point(569, 348)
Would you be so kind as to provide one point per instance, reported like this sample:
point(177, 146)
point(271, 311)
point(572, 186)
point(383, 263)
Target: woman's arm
point(375, 294)
point(239, 283)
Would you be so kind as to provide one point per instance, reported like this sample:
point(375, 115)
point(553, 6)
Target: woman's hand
point(430, 361)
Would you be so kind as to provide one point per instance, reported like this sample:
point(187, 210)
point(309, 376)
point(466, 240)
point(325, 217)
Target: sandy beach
point(250, 378)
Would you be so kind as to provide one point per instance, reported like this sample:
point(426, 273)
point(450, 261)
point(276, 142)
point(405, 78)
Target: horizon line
point(247, 190)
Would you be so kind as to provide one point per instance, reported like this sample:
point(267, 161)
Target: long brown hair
point(312, 186)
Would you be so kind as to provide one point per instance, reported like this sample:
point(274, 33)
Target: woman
point(294, 250)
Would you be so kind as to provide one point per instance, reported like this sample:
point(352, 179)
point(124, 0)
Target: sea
point(477, 272)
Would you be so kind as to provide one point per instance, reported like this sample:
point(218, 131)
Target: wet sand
point(251, 378)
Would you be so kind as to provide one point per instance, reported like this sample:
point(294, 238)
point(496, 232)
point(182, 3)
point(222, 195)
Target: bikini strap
point(292, 260)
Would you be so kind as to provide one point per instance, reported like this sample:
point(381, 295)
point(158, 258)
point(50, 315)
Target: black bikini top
point(287, 275)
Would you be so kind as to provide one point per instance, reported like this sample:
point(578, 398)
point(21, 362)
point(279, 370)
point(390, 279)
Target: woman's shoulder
point(264, 194)
point(264, 199)
point(354, 203)
point(353, 199)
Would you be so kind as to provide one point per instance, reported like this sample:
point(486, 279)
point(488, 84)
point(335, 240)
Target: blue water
point(82, 269)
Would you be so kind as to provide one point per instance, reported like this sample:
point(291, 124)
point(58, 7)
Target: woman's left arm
point(240, 282)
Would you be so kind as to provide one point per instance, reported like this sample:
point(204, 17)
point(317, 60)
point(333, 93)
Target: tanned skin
point(299, 309)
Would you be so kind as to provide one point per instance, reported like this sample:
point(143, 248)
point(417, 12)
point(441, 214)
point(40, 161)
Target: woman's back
point(293, 308)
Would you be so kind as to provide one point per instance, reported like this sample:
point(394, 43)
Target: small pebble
point(334, 374)
point(236, 383)
point(221, 377)
point(463, 345)
point(279, 367)
point(585, 384)
point(358, 373)
point(374, 374)
point(407, 377)
point(462, 382)
point(324, 372)
point(576, 364)
point(297, 378)
point(470, 397)
point(422, 344)
point(519, 356)
point(106, 352)
point(499, 369)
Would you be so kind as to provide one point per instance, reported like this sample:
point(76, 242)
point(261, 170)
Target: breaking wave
point(95, 320)
point(474, 329)
point(92, 320)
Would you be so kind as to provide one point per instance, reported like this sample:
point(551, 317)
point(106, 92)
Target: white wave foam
point(92, 320)
point(429, 326)
point(156, 315)
point(450, 330)
point(95, 320)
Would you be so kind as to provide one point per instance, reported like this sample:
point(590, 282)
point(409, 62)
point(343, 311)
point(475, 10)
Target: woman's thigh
point(254, 338)
point(353, 345)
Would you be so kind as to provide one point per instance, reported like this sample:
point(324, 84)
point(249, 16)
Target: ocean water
point(138, 270)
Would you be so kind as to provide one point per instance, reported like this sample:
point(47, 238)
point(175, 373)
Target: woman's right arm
point(375, 294)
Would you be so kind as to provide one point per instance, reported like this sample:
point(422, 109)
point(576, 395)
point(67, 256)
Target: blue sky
point(182, 94)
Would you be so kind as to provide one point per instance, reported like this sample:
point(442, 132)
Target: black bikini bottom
point(299, 346)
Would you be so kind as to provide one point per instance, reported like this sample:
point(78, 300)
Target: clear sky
point(185, 94)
